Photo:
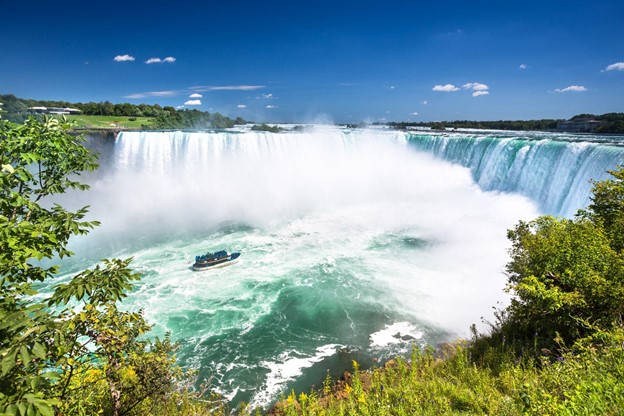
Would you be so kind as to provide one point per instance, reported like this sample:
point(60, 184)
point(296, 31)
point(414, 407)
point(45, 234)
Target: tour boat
point(215, 260)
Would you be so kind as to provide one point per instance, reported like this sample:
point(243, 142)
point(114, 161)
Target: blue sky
point(340, 61)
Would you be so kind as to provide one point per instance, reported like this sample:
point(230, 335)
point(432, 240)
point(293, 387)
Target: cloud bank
point(193, 102)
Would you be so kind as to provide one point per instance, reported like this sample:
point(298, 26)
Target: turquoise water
point(355, 245)
point(553, 169)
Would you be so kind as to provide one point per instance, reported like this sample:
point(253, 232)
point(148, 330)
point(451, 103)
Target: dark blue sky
point(342, 61)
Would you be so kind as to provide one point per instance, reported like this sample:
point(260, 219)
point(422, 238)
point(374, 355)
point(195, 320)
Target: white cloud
point(170, 93)
point(476, 86)
point(270, 106)
point(523, 66)
point(123, 58)
point(445, 88)
point(414, 114)
point(229, 88)
point(193, 90)
point(241, 106)
point(169, 59)
point(478, 93)
point(425, 102)
point(618, 66)
point(268, 96)
point(195, 95)
point(179, 107)
point(572, 88)
point(193, 102)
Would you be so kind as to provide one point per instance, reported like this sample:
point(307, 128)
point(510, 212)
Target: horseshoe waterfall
point(356, 244)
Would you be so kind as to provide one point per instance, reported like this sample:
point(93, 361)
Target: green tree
point(607, 207)
point(89, 358)
point(568, 274)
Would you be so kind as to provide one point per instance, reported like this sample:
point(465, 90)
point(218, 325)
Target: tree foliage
point(613, 123)
point(568, 274)
point(74, 352)
point(164, 117)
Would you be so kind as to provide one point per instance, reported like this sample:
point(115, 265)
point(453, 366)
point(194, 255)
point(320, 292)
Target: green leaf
point(8, 362)
point(39, 350)
point(44, 408)
point(25, 354)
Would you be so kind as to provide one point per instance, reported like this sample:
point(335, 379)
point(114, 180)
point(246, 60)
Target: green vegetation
point(613, 123)
point(530, 125)
point(265, 127)
point(193, 119)
point(581, 383)
point(109, 122)
point(124, 115)
point(73, 351)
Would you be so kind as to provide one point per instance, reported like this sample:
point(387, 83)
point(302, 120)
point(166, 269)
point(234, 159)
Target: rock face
point(101, 142)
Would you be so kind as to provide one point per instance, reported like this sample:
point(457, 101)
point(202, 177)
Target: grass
point(588, 382)
point(112, 122)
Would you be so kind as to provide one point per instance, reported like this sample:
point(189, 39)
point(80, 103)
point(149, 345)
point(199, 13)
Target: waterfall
point(356, 243)
point(554, 171)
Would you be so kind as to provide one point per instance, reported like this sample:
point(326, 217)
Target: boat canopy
point(211, 256)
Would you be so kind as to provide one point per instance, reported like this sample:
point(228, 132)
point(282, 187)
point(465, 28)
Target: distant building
point(580, 125)
point(53, 110)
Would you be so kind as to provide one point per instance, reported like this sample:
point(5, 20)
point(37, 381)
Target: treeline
point(16, 110)
point(193, 119)
point(614, 122)
point(19, 106)
point(523, 125)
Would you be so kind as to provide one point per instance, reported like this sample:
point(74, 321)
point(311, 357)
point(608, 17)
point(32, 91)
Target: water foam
point(396, 333)
point(286, 368)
